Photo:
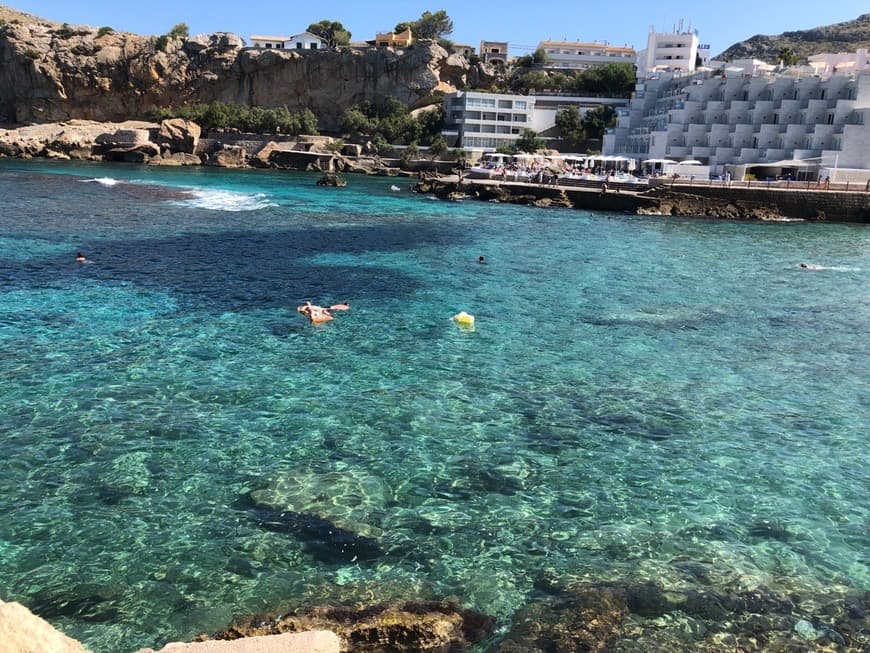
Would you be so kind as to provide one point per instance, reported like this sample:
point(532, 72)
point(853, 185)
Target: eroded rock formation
point(51, 73)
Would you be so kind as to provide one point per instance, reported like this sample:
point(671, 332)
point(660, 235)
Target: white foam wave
point(227, 200)
point(103, 181)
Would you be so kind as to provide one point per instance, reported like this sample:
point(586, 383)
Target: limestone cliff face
point(50, 74)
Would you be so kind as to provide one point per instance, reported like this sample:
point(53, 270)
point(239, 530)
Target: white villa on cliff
point(303, 41)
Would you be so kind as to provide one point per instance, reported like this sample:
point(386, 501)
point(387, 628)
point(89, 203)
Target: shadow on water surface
point(247, 270)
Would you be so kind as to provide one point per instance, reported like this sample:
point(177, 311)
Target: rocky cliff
point(838, 37)
point(52, 73)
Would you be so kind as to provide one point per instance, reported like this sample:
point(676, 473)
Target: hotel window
point(520, 104)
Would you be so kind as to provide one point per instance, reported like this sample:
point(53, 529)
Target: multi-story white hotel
point(679, 50)
point(576, 55)
point(744, 119)
point(484, 121)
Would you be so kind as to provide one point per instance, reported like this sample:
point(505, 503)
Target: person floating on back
point(318, 314)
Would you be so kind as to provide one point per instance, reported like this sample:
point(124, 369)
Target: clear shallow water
point(638, 393)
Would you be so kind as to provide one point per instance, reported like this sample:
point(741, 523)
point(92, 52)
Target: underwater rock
point(586, 619)
point(642, 617)
point(770, 529)
point(350, 500)
point(323, 539)
point(85, 602)
point(428, 626)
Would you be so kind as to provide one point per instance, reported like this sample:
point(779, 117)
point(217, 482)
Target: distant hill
point(10, 15)
point(839, 37)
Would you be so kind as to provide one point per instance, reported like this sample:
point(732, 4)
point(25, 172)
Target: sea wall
point(813, 203)
point(737, 203)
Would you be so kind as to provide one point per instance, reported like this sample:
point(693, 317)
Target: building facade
point(394, 39)
point(494, 52)
point(745, 120)
point(577, 55)
point(268, 42)
point(474, 120)
point(680, 50)
point(303, 41)
point(485, 121)
point(841, 62)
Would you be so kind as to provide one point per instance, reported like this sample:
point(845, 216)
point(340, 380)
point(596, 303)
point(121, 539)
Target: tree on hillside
point(180, 30)
point(539, 57)
point(788, 57)
point(597, 120)
point(330, 31)
point(570, 127)
point(612, 79)
point(529, 141)
point(429, 25)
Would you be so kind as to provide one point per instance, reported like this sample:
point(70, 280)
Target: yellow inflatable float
point(464, 319)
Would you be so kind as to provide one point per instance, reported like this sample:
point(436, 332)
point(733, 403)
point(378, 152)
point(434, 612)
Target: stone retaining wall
point(812, 204)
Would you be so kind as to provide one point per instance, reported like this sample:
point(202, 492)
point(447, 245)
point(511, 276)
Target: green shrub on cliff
point(610, 80)
point(179, 30)
point(64, 31)
point(221, 117)
point(103, 31)
point(393, 122)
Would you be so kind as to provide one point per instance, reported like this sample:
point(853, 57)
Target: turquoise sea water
point(637, 393)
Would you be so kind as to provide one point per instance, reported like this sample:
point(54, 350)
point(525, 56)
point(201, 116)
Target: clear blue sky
point(520, 22)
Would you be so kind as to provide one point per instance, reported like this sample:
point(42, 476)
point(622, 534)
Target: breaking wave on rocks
point(226, 200)
point(103, 181)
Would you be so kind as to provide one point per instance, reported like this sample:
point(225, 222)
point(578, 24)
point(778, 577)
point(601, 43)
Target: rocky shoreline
point(559, 616)
point(177, 142)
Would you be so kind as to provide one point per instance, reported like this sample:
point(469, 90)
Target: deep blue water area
point(637, 394)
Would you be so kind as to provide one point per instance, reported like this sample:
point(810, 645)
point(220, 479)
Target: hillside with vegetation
point(796, 46)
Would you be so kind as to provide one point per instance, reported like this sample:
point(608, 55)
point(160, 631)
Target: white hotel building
point(484, 121)
point(745, 119)
point(577, 55)
point(680, 50)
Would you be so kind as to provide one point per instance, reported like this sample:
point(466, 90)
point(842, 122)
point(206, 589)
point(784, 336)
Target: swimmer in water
point(80, 258)
point(316, 314)
point(810, 266)
point(481, 260)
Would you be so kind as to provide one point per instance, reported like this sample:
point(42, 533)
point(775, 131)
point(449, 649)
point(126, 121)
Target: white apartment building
point(841, 62)
point(745, 120)
point(577, 55)
point(679, 50)
point(484, 121)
